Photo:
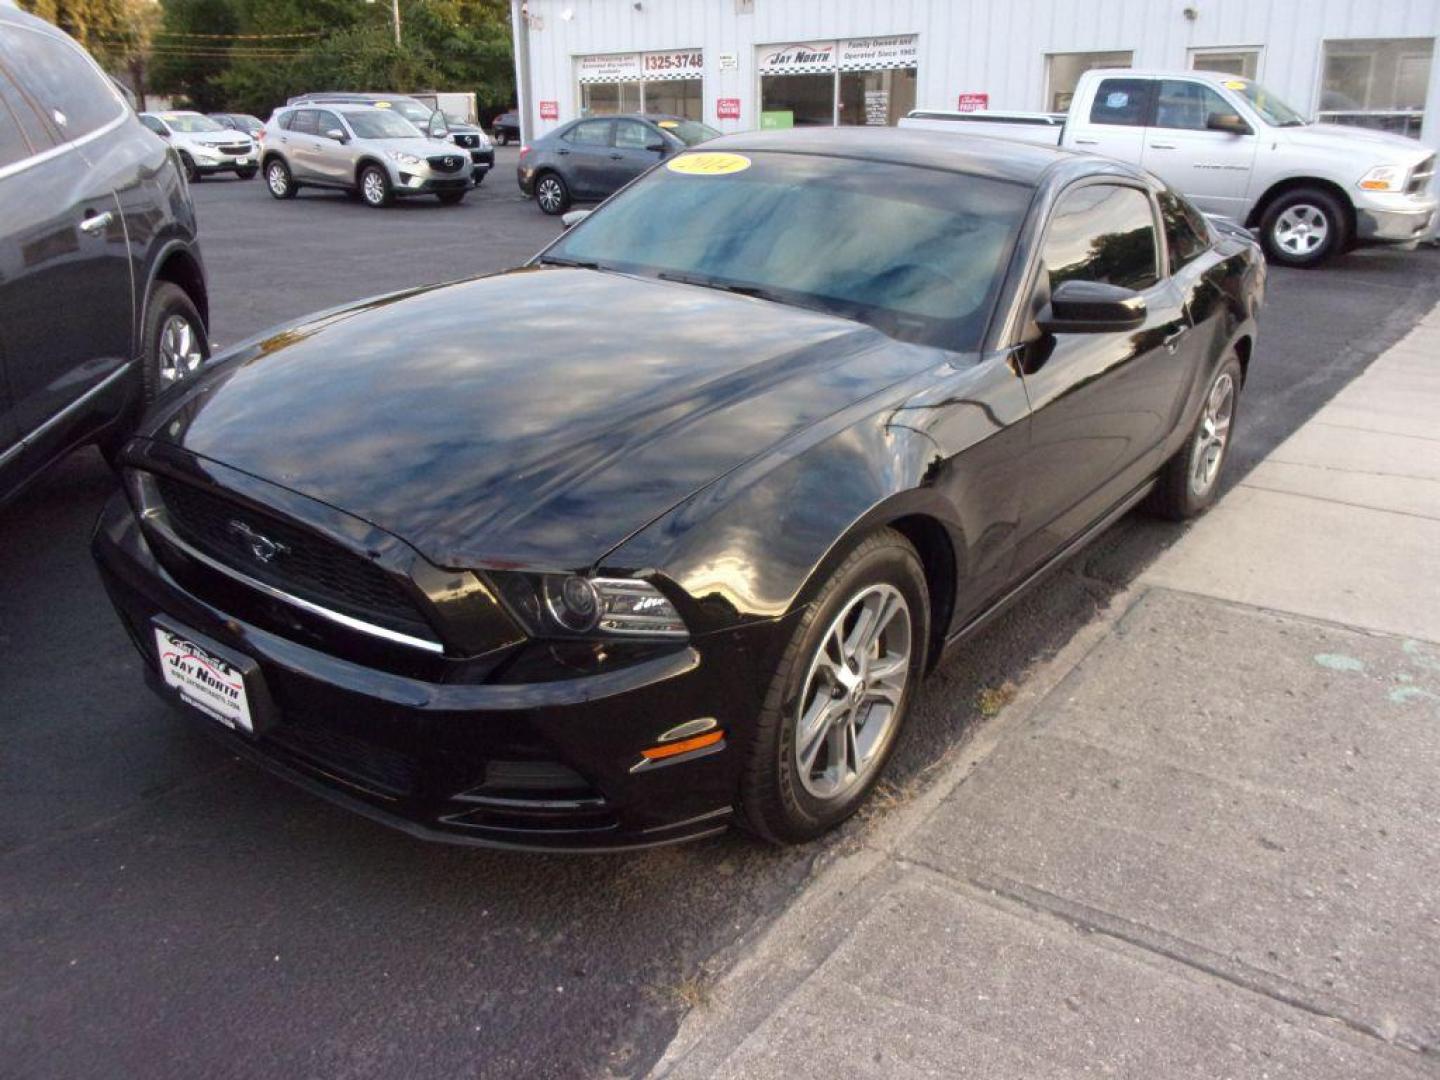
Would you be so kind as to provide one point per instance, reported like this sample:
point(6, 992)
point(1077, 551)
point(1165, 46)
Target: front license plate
point(242, 161)
point(204, 679)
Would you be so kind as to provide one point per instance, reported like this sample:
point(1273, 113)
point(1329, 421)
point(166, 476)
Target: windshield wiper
point(718, 283)
point(558, 260)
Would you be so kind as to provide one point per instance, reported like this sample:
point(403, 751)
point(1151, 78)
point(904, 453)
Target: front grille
point(446, 162)
point(1420, 178)
point(364, 762)
point(235, 150)
point(301, 563)
point(467, 140)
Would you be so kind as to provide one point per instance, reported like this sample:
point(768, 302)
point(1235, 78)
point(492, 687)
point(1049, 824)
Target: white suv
point(204, 146)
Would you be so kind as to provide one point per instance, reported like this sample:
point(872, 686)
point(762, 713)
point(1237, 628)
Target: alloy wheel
point(373, 188)
point(549, 194)
point(1213, 435)
point(1301, 230)
point(853, 692)
point(276, 178)
point(179, 349)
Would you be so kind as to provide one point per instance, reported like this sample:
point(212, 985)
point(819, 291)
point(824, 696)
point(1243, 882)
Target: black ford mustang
point(674, 546)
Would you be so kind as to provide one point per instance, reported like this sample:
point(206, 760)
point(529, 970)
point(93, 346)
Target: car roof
point(977, 155)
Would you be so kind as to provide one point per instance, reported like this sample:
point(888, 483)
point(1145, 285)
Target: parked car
point(506, 127)
point(1233, 148)
point(376, 153)
point(250, 125)
point(102, 290)
point(594, 158)
point(818, 404)
point(431, 121)
point(203, 146)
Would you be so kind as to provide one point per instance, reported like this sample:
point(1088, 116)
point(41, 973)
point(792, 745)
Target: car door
point(1197, 270)
point(17, 145)
point(333, 159)
point(1115, 123)
point(632, 153)
point(1102, 404)
point(67, 297)
point(302, 145)
point(1211, 168)
point(584, 154)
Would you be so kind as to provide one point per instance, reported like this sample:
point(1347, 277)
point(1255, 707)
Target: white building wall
point(997, 47)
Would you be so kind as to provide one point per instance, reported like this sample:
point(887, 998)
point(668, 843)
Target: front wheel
point(278, 179)
point(552, 194)
point(1304, 227)
point(375, 187)
point(192, 174)
point(839, 698)
point(1190, 481)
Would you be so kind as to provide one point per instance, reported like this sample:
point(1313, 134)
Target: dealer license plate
point(209, 682)
point(242, 161)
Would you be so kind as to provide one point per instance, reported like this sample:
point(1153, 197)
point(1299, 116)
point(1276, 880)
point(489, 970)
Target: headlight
point(570, 605)
point(1384, 178)
point(402, 158)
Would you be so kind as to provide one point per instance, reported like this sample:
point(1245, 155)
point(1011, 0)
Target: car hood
point(1375, 147)
point(212, 138)
point(423, 146)
point(535, 418)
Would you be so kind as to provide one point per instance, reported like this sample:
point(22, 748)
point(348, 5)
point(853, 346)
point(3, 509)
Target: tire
point(248, 174)
point(192, 174)
point(1304, 227)
point(375, 187)
point(816, 755)
point(1190, 481)
point(278, 180)
point(173, 352)
point(551, 193)
point(450, 198)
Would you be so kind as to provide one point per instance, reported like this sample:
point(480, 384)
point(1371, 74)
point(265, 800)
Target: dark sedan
point(505, 128)
point(673, 545)
point(250, 125)
point(592, 159)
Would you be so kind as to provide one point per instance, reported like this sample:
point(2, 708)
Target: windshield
point(191, 122)
point(916, 253)
point(690, 132)
point(410, 109)
point(381, 124)
point(1271, 109)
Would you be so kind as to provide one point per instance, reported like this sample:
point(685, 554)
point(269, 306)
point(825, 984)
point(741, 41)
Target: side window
point(154, 125)
point(1102, 232)
point(22, 132)
point(1187, 105)
point(1125, 102)
point(13, 144)
point(325, 120)
point(632, 135)
point(305, 121)
point(285, 119)
point(67, 85)
point(590, 133)
point(1181, 237)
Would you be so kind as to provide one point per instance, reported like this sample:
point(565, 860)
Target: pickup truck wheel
point(1303, 228)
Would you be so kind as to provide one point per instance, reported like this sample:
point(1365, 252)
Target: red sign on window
point(549, 110)
point(727, 108)
point(973, 102)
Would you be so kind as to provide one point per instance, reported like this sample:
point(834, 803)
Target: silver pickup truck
point(1310, 190)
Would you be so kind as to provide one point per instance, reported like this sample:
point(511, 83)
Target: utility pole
point(395, 12)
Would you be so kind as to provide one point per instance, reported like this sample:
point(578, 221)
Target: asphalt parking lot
point(169, 911)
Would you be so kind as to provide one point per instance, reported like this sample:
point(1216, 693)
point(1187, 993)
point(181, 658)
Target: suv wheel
point(1303, 228)
point(278, 179)
point(450, 198)
point(187, 163)
point(175, 342)
point(247, 174)
point(375, 186)
point(552, 194)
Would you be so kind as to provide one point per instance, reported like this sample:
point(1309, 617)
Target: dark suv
point(102, 292)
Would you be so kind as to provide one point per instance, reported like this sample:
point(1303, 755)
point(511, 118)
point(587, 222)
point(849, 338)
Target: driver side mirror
point(338, 135)
point(438, 128)
point(572, 218)
point(1091, 307)
point(1231, 123)
point(657, 145)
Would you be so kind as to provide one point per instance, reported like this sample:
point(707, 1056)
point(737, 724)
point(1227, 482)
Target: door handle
point(617, 157)
point(1162, 146)
point(562, 152)
point(1087, 142)
point(94, 223)
point(1171, 341)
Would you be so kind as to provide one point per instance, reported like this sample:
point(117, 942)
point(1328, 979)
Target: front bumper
point(407, 181)
point(538, 765)
point(525, 177)
point(1395, 218)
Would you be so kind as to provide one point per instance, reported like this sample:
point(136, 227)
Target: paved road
point(168, 911)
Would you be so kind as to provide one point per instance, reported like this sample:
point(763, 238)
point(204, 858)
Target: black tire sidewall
point(192, 174)
point(564, 193)
point(166, 299)
point(247, 174)
point(451, 198)
point(289, 191)
point(1335, 243)
point(774, 802)
point(385, 180)
point(1173, 497)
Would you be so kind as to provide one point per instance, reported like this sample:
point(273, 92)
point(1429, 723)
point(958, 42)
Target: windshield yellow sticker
point(708, 163)
point(381, 104)
point(1234, 84)
point(667, 123)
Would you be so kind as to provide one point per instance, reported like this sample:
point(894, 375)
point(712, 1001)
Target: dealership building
point(742, 64)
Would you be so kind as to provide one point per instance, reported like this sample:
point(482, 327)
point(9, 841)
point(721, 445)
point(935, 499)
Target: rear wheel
point(278, 179)
point(176, 346)
point(1190, 481)
point(1304, 227)
point(840, 695)
point(552, 194)
point(375, 187)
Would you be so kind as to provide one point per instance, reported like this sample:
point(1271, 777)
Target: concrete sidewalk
point(1203, 841)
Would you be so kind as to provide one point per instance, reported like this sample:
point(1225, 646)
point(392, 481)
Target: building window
point(1244, 63)
point(853, 81)
point(677, 97)
point(1377, 83)
point(659, 82)
point(1063, 71)
point(608, 99)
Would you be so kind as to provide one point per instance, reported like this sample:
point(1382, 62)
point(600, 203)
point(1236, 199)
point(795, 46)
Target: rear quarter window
point(1123, 102)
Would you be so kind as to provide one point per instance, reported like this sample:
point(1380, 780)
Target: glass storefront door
point(809, 99)
point(876, 98)
point(677, 97)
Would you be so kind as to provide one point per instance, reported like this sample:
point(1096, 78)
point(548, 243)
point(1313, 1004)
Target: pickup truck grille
point(301, 563)
point(1420, 178)
point(447, 162)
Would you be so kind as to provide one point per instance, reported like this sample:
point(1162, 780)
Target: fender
point(152, 273)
